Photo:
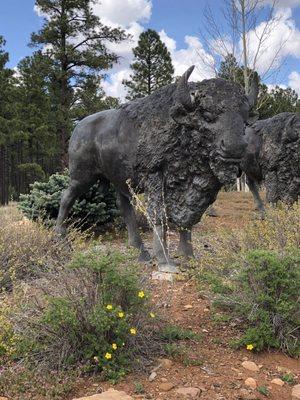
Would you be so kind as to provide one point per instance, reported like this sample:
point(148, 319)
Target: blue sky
point(18, 20)
point(179, 23)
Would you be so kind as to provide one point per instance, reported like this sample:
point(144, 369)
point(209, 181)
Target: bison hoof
point(171, 268)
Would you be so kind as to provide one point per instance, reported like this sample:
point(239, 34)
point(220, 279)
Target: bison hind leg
point(134, 236)
point(75, 189)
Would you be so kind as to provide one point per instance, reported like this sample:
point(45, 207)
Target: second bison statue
point(178, 146)
point(273, 157)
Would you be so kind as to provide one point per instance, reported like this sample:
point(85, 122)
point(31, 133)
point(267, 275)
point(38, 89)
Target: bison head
point(218, 110)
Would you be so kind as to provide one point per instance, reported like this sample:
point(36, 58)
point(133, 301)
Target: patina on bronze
point(273, 156)
point(178, 146)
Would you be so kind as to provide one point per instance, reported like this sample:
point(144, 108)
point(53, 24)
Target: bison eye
point(209, 117)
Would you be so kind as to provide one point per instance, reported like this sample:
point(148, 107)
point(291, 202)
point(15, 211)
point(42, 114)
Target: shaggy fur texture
point(181, 151)
point(273, 156)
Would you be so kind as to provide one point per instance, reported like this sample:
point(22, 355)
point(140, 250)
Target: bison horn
point(182, 93)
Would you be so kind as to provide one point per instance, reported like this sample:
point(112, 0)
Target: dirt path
point(219, 372)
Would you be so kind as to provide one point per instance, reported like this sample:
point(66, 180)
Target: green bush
point(94, 208)
point(254, 272)
point(95, 311)
point(265, 294)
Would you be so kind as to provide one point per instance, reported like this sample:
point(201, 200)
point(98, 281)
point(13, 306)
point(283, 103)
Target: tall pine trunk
point(63, 128)
point(4, 181)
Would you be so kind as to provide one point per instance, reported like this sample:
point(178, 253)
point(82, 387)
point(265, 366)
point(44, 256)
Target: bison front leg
point(185, 247)
point(134, 236)
point(157, 214)
point(160, 250)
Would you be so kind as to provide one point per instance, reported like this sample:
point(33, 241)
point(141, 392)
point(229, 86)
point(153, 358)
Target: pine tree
point(90, 98)
point(279, 100)
point(270, 103)
point(75, 41)
point(152, 67)
point(230, 70)
point(37, 145)
point(7, 122)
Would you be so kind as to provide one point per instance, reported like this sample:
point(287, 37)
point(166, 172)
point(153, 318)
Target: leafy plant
point(266, 296)
point(94, 208)
point(173, 350)
point(192, 361)
point(173, 332)
point(139, 388)
point(263, 390)
point(255, 275)
point(288, 378)
point(17, 381)
point(94, 311)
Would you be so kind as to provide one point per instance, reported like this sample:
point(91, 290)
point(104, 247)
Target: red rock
point(189, 392)
point(278, 382)
point(110, 394)
point(250, 365)
point(296, 392)
point(250, 382)
point(165, 363)
point(166, 386)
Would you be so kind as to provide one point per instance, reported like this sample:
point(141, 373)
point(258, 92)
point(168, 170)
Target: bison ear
point(183, 96)
point(253, 91)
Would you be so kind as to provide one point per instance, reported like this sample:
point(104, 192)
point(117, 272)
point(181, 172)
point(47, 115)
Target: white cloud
point(124, 49)
point(128, 15)
point(182, 59)
point(272, 86)
point(124, 12)
point(168, 41)
point(193, 54)
point(282, 39)
point(283, 3)
point(294, 81)
point(113, 86)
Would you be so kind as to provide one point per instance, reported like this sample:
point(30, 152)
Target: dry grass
point(28, 248)
point(224, 243)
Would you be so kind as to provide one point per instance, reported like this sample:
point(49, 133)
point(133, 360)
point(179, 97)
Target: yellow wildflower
point(133, 331)
point(152, 315)
point(109, 307)
point(121, 314)
point(108, 356)
point(141, 294)
point(250, 347)
point(114, 346)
